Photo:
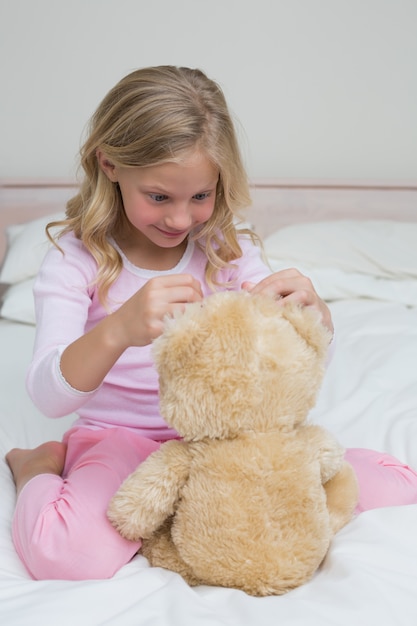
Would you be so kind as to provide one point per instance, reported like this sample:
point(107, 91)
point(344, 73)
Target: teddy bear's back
point(253, 508)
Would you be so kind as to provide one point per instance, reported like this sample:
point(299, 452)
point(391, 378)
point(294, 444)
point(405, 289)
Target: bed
point(358, 242)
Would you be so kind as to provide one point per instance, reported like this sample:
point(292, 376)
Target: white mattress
point(369, 399)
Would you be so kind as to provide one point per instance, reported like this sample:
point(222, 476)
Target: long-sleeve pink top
point(67, 306)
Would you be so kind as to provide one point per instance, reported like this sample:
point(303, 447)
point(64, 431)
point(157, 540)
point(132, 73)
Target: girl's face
point(164, 203)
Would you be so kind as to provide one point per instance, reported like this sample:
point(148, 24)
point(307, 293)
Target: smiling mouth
point(172, 234)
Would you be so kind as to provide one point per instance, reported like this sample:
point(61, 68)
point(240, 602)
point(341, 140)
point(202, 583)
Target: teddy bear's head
point(238, 363)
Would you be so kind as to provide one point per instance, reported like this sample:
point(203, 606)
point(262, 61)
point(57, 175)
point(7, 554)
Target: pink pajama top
point(67, 306)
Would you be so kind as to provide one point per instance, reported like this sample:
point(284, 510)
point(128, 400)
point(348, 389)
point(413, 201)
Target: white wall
point(322, 88)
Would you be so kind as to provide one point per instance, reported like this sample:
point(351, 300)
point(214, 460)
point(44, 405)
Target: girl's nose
point(179, 219)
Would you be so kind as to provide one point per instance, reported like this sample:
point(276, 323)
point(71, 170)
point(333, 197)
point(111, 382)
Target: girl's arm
point(77, 341)
point(86, 361)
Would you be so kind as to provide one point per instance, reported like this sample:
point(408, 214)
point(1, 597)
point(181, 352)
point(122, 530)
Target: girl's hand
point(140, 319)
point(292, 286)
point(86, 361)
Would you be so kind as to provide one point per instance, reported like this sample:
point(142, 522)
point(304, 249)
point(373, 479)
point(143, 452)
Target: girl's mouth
point(172, 234)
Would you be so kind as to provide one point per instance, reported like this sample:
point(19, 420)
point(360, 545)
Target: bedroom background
point(325, 92)
point(321, 89)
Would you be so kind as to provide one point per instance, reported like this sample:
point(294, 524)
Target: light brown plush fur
point(252, 495)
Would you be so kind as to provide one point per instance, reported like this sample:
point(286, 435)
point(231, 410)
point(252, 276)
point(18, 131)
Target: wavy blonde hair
point(152, 116)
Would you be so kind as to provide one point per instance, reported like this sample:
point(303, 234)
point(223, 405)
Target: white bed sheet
point(369, 399)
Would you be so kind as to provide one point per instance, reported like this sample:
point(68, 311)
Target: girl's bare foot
point(48, 458)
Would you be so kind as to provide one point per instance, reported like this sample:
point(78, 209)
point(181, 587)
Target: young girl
point(151, 230)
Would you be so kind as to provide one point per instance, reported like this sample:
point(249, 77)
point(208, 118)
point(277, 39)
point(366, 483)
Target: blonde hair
point(152, 116)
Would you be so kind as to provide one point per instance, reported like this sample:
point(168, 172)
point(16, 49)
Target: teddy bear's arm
point(330, 452)
point(149, 495)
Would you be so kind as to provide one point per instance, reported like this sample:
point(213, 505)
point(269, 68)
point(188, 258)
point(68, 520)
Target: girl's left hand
point(292, 286)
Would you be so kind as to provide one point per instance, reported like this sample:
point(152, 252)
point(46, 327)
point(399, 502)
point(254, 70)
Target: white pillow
point(27, 245)
point(18, 304)
point(381, 248)
point(351, 258)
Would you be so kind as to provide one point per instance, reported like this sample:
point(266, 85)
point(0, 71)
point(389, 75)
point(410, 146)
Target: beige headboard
point(279, 203)
point(276, 203)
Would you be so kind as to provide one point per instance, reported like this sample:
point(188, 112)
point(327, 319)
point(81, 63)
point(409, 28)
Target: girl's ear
point(106, 166)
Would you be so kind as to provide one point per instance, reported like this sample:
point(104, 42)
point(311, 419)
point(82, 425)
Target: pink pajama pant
point(60, 528)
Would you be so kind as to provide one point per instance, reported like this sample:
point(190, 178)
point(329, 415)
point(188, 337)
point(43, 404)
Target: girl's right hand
point(86, 361)
point(140, 319)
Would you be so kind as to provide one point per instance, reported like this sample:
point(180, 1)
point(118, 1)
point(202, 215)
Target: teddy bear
point(250, 494)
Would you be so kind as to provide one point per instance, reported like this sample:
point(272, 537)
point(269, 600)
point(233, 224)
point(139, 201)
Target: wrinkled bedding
point(368, 399)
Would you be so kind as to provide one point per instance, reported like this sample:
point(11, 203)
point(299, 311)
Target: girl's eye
point(201, 196)
point(157, 197)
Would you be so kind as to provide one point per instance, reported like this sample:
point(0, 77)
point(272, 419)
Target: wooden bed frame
point(276, 203)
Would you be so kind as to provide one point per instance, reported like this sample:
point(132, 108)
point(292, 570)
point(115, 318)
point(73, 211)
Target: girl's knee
point(58, 541)
point(60, 527)
point(383, 479)
point(60, 556)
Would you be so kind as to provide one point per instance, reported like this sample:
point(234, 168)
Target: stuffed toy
point(251, 494)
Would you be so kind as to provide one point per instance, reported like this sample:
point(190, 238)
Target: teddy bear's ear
point(307, 322)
